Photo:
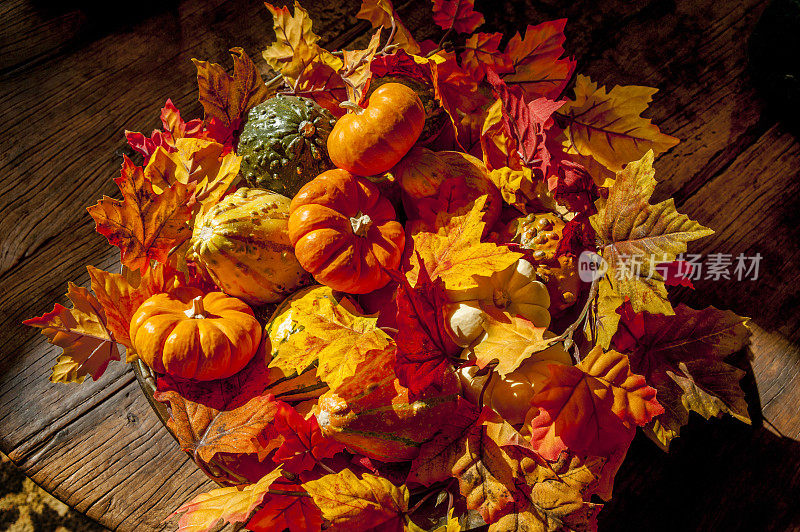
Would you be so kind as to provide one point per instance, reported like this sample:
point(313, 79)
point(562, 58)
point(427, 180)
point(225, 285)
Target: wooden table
point(74, 76)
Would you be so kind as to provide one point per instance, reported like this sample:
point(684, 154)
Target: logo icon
point(591, 266)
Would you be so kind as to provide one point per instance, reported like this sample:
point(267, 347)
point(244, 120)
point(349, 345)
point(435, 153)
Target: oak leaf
point(536, 62)
point(635, 237)
point(590, 408)
point(423, 345)
point(229, 505)
point(145, 225)
point(82, 333)
point(344, 338)
point(382, 13)
point(291, 510)
point(481, 54)
point(607, 125)
point(510, 340)
point(682, 357)
point(456, 254)
point(229, 98)
point(460, 15)
point(353, 505)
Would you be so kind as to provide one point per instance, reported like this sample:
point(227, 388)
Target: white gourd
point(514, 290)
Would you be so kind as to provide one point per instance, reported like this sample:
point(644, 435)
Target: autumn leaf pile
point(433, 403)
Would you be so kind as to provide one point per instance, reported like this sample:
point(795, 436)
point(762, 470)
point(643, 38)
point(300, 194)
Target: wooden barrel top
point(74, 76)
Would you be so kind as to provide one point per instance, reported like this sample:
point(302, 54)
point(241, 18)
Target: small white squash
point(514, 290)
point(510, 396)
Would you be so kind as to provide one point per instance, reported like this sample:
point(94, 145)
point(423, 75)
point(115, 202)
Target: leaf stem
point(290, 493)
point(440, 44)
point(421, 501)
point(566, 336)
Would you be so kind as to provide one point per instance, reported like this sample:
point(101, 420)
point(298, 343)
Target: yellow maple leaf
point(510, 340)
point(382, 13)
point(229, 505)
point(82, 333)
point(355, 505)
point(635, 237)
point(607, 125)
point(343, 338)
point(456, 254)
point(295, 46)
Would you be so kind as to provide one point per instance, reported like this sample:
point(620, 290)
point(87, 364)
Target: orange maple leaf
point(229, 505)
point(121, 295)
point(228, 98)
point(456, 254)
point(590, 408)
point(145, 225)
point(537, 63)
point(82, 333)
point(459, 15)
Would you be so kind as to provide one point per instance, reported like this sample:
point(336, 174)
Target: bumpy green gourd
point(283, 144)
point(243, 244)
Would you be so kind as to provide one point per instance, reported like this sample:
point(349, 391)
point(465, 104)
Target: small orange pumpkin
point(345, 233)
point(370, 141)
point(186, 333)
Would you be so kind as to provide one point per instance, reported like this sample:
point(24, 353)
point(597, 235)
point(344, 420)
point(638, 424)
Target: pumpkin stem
point(196, 311)
point(352, 107)
point(501, 299)
point(307, 129)
point(361, 224)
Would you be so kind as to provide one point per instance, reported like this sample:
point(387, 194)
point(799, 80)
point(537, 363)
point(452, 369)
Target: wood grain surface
point(75, 75)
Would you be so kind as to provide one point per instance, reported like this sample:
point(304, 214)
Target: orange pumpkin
point(192, 335)
point(370, 141)
point(345, 233)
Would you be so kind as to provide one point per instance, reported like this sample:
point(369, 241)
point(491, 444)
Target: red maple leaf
point(526, 123)
point(571, 185)
point(576, 237)
point(677, 273)
point(590, 408)
point(423, 346)
point(459, 15)
point(303, 444)
point(287, 510)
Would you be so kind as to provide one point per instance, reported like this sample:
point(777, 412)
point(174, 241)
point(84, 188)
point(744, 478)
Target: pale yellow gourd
point(511, 396)
point(514, 290)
